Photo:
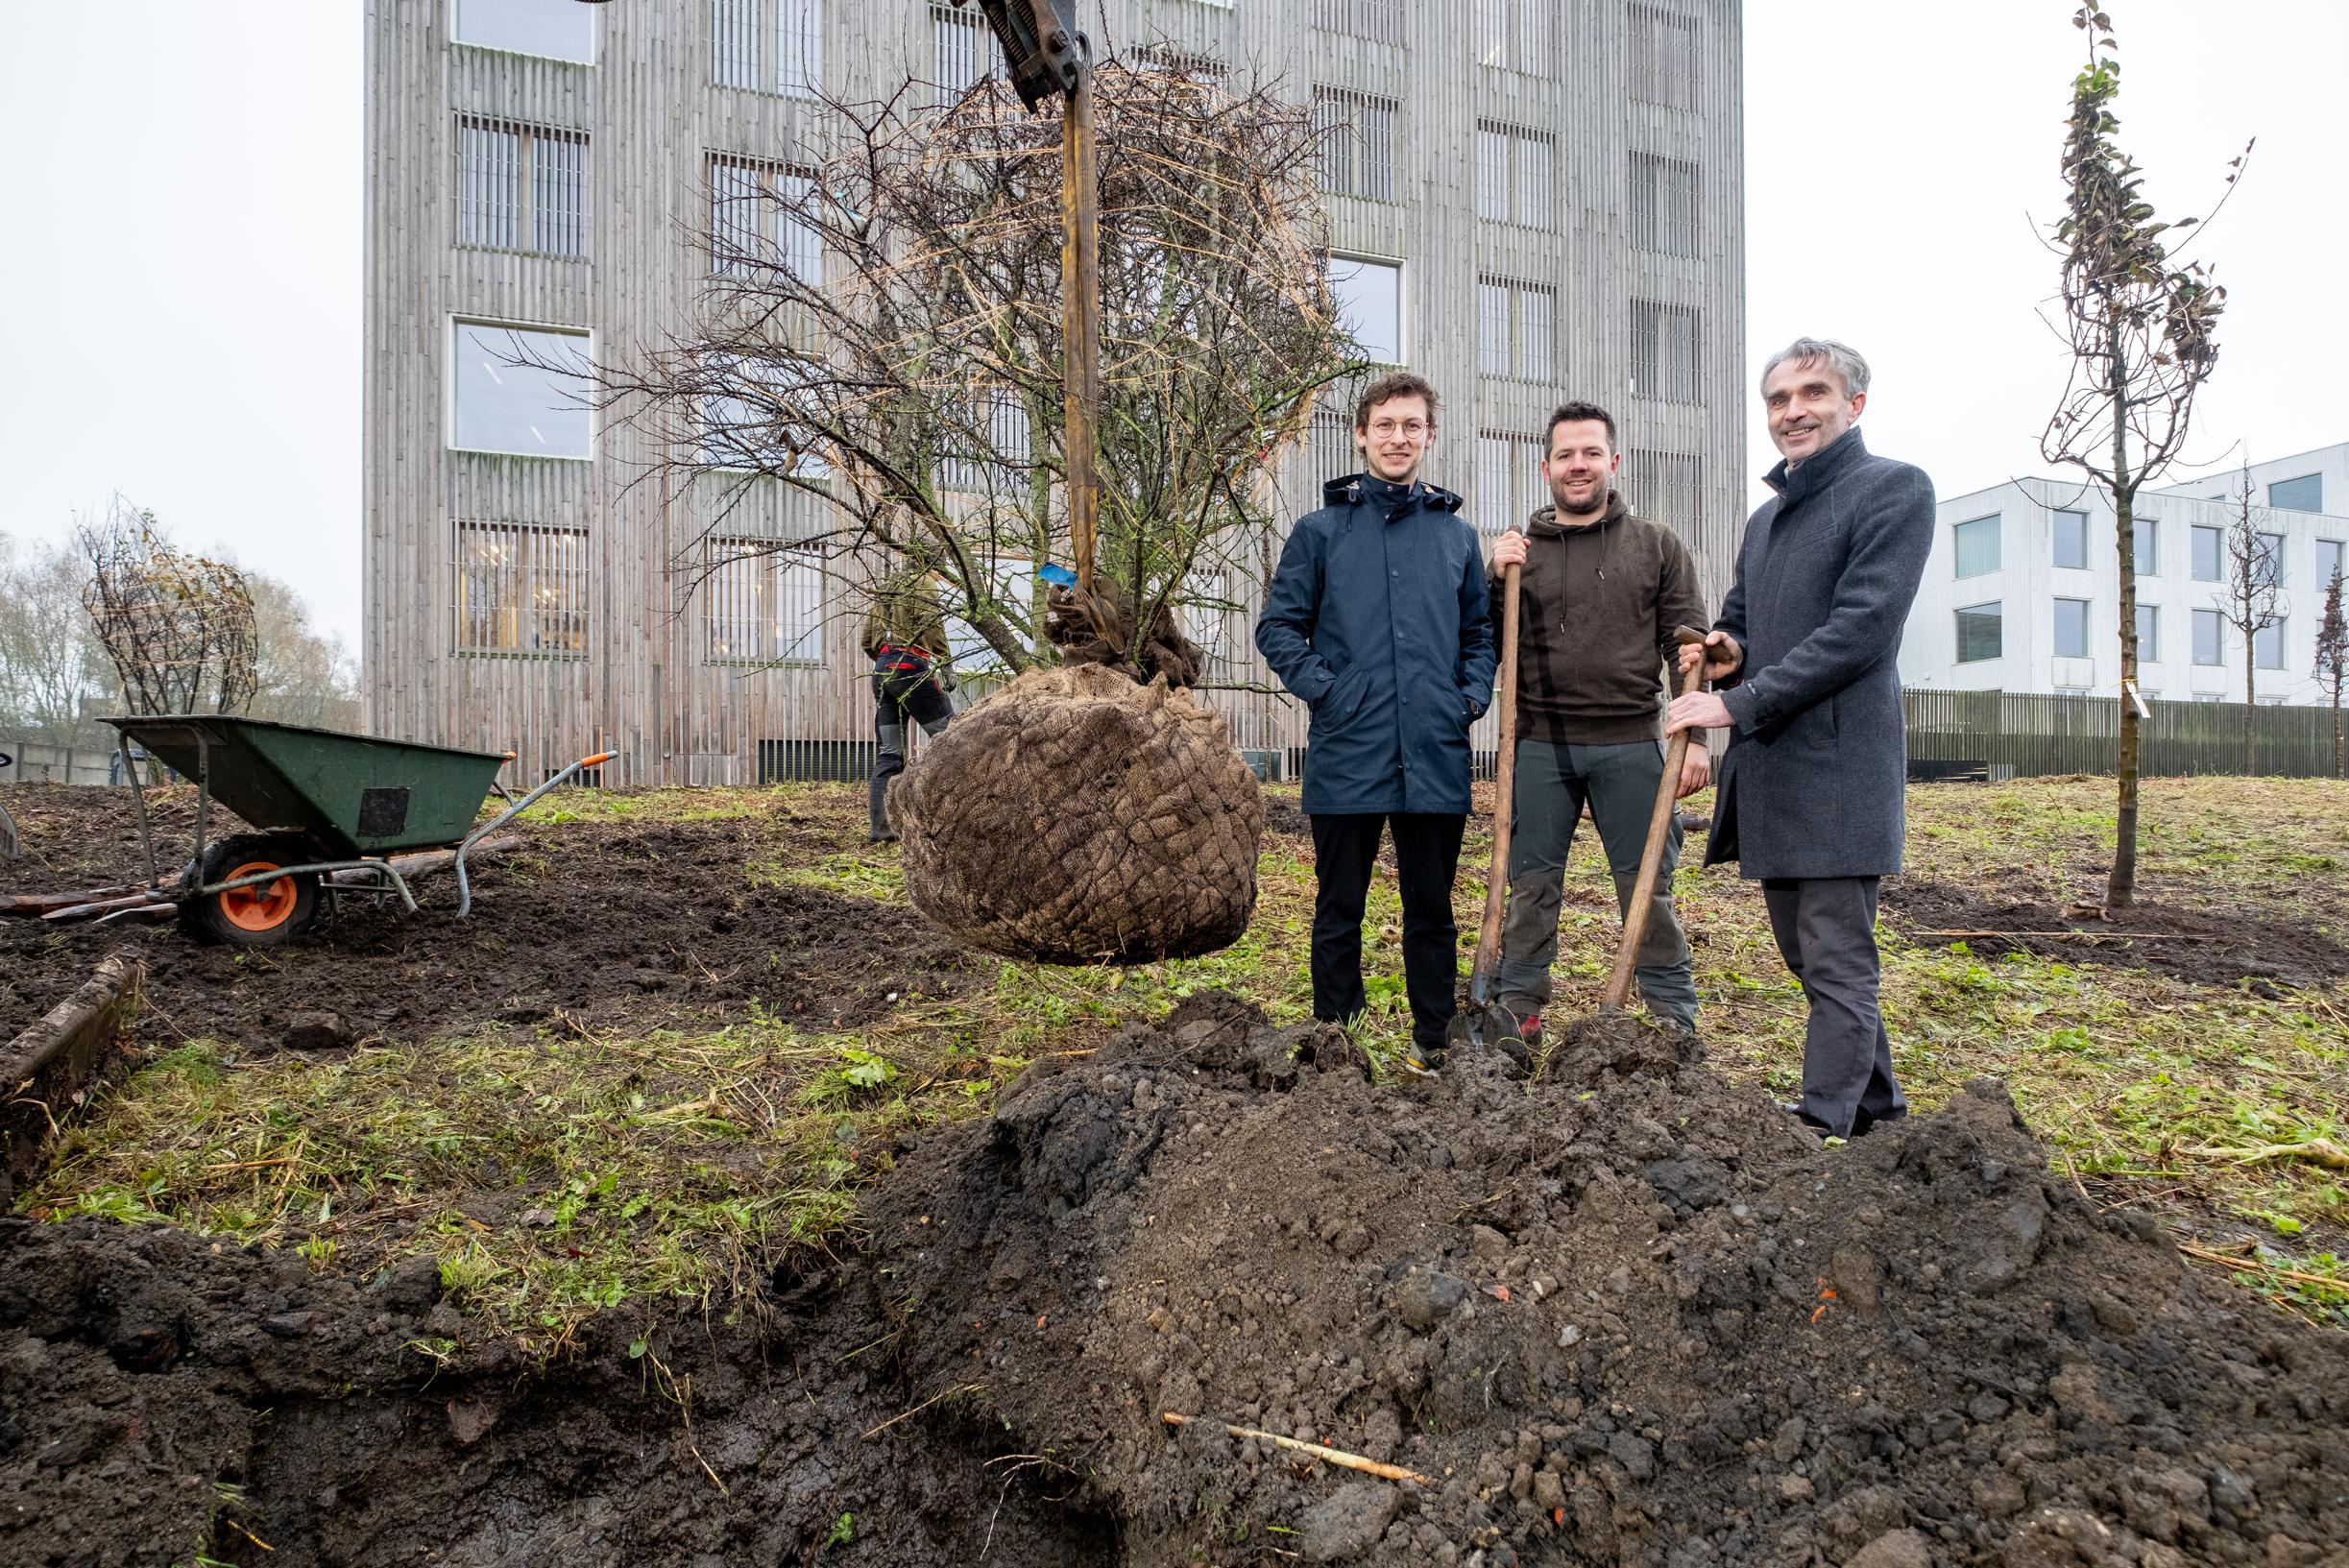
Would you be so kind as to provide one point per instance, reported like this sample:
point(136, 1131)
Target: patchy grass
point(575, 1173)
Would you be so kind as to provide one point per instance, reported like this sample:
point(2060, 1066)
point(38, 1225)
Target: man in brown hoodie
point(1600, 593)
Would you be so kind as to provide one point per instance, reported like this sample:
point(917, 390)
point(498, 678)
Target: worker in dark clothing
point(904, 636)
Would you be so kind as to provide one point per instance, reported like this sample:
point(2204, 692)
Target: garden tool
point(1652, 856)
point(1480, 1022)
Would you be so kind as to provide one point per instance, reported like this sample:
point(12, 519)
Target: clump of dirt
point(2203, 947)
point(1625, 1314)
point(596, 924)
point(166, 1401)
point(1629, 1315)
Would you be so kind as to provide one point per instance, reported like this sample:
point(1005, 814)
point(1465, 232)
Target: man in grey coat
point(1810, 801)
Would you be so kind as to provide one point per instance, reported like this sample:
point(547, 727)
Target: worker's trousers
point(1426, 859)
point(1620, 784)
point(1825, 930)
point(903, 687)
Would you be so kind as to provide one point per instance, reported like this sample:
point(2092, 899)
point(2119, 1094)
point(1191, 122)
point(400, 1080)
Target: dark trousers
point(1427, 856)
point(1825, 930)
point(903, 686)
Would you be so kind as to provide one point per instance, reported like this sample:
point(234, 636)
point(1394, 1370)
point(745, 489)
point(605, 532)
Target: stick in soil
point(1331, 1456)
point(965, 1389)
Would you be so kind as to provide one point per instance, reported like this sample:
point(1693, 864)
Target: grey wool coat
point(1811, 785)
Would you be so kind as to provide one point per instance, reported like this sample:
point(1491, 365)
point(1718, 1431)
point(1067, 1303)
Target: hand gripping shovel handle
point(1504, 801)
point(1652, 856)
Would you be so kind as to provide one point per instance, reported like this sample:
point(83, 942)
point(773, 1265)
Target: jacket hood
point(1354, 489)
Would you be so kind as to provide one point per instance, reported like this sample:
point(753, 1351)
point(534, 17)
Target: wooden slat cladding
point(1635, 105)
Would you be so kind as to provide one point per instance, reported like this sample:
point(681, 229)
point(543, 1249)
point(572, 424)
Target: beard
point(1596, 504)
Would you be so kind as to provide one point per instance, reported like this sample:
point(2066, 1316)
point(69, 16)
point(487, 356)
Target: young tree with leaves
point(2252, 599)
point(2332, 660)
point(2141, 326)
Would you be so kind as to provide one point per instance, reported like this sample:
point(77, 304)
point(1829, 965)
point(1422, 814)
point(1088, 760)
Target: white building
point(2021, 593)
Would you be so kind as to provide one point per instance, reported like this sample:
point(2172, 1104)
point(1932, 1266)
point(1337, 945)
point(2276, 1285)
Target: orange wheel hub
point(263, 907)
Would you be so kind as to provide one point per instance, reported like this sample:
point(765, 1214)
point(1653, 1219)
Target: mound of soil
point(1626, 1315)
point(2204, 947)
point(598, 923)
point(1632, 1316)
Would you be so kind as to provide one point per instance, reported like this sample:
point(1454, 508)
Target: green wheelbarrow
point(333, 809)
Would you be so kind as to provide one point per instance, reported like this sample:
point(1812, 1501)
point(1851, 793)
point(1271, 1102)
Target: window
point(1663, 210)
point(767, 45)
point(522, 589)
point(1981, 632)
point(1493, 33)
point(1358, 150)
point(963, 49)
point(520, 390)
point(2072, 628)
point(1977, 546)
point(2306, 493)
point(1373, 19)
point(1013, 586)
point(1370, 306)
point(2071, 539)
point(998, 464)
point(1508, 484)
point(1663, 486)
point(2267, 559)
point(2210, 638)
point(1515, 330)
point(753, 224)
point(1664, 58)
point(1663, 352)
point(2149, 634)
point(2267, 646)
point(521, 187)
point(558, 29)
point(2332, 559)
point(2145, 536)
point(2210, 548)
point(1514, 173)
point(761, 604)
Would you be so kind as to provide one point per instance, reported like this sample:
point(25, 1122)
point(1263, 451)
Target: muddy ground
point(1630, 1316)
point(598, 923)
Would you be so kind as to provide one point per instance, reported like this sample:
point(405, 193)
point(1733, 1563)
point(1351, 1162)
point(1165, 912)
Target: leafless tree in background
point(2332, 660)
point(2252, 599)
point(884, 331)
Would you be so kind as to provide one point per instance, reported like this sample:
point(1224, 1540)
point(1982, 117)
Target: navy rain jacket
point(1377, 620)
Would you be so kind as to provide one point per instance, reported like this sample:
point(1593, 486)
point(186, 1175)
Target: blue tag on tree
point(1060, 575)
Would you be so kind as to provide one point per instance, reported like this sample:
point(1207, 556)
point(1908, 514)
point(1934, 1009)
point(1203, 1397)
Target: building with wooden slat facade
point(1529, 200)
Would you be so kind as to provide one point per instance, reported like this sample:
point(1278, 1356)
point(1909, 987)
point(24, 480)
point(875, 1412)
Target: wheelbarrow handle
point(465, 886)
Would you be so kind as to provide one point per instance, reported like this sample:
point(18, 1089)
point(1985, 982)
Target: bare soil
point(591, 925)
point(1625, 1314)
point(2206, 947)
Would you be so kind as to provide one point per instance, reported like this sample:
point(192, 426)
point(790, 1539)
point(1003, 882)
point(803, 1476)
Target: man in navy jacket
point(1377, 620)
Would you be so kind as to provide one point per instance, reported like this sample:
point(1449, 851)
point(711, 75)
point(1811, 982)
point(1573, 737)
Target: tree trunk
point(2337, 772)
point(2251, 677)
point(2121, 886)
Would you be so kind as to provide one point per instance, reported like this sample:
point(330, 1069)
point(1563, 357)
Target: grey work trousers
point(1620, 784)
point(1825, 930)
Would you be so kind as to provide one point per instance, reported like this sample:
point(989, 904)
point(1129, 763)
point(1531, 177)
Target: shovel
point(1479, 1023)
point(1652, 857)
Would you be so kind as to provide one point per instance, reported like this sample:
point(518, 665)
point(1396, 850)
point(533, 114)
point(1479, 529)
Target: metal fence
point(2022, 734)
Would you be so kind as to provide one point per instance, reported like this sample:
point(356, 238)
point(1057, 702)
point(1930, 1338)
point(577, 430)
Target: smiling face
point(1581, 461)
point(1394, 437)
point(1807, 407)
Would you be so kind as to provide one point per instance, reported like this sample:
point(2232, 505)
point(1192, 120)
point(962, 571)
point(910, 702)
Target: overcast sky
point(182, 272)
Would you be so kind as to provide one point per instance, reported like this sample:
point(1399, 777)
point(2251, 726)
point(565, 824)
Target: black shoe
point(883, 838)
point(1793, 1109)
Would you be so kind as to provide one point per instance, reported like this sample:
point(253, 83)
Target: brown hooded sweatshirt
point(1596, 611)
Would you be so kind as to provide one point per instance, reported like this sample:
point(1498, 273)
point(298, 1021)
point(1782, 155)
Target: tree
point(884, 333)
point(301, 675)
point(2140, 326)
point(54, 676)
point(2252, 598)
point(2333, 661)
point(179, 627)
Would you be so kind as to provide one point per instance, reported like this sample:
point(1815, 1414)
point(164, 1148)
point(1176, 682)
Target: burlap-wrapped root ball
point(1075, 816)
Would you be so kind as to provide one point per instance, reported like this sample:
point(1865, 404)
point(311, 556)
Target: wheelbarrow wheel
point(266, 914)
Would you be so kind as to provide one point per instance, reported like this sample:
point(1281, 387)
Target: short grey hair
point(1841, 358)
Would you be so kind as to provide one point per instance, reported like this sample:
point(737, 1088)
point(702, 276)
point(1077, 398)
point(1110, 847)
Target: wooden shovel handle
point(1504, 798)
point(1652, 856)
